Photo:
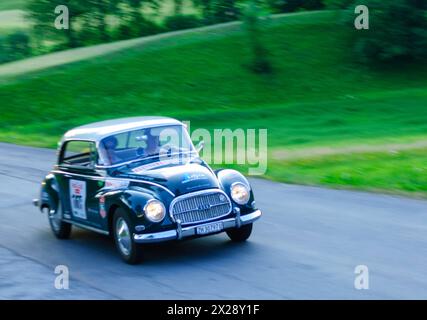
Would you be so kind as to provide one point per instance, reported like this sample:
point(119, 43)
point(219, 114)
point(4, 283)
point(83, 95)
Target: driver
point(110, 145)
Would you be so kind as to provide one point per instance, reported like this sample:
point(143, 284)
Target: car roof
point(99, 130)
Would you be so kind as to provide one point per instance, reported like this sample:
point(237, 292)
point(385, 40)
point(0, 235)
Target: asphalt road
point(306, 246)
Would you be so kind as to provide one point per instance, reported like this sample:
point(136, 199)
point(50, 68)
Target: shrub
point(140, 28)
point(252, 18)
point(14, 47)
point(182, 21)
point(398, 31)
point(338, 4)
point(295, 5)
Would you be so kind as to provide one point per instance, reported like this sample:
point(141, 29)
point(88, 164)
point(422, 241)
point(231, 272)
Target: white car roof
point(98, 130)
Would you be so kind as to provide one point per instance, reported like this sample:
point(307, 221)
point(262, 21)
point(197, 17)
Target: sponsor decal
point(78, 198)
point(188, 177)
point(149, 166)
point(102, 211)
point(116, 184)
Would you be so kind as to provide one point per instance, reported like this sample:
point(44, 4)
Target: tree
point(397, 31)
point(252, 15)
point(338, 4)
point(132, 21)
point(14, 46)
point(216, 11)
point(42, 12)
point(89, 21)
point(295, 5)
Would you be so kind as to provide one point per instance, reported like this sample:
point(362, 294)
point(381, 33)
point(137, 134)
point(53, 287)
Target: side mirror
point(200, 146)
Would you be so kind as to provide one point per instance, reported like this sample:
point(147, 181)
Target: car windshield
point(144, 143)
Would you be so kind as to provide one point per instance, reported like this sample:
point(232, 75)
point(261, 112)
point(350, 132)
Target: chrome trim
point(80, 225)
point(112, 178)
point(238, 220)
point(202, 192)
point(123, 236)
point(181, 233)
point(179, 229)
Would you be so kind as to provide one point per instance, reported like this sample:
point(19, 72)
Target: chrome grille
point(200, 206)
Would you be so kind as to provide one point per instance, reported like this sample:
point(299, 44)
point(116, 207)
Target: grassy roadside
point(315, 97)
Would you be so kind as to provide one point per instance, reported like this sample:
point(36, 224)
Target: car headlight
point(240, 193)
point(154, 210)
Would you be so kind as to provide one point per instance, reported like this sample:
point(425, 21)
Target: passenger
point(153, 147)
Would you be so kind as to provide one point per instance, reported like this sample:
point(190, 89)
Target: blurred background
point(344, 108)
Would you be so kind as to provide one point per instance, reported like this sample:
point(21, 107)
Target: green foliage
point(398, 31)
point(338, 4)
point(181, 21)
point(14, 47)
point(89, 21)
point(253, 20)
point(139, 28)
point(295, 5)
point(217, 11)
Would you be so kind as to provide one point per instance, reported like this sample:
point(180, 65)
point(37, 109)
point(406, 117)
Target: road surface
point(306, 246)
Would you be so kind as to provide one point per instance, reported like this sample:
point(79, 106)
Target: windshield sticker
point(78, 198)
point(149, 166)
point(116, 184)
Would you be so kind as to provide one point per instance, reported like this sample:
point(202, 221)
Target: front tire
point(129, 250)
point(61, 229)
point(240, 234)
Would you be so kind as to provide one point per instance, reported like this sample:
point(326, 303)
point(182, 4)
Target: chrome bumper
point(184, 232)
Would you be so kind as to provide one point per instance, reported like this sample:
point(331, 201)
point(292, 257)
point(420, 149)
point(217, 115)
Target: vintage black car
point(141, 180)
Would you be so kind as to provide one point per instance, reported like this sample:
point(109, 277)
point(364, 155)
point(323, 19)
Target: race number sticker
point(78, 198)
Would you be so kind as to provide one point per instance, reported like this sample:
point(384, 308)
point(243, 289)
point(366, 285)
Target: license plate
point(210, 228)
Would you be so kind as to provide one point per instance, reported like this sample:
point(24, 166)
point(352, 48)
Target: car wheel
point(122, 229)
point(240, 234)
point(61, 229)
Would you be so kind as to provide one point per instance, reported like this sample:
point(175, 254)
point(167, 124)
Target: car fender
point(49, 193)
point(133, 202)
point(227, 177)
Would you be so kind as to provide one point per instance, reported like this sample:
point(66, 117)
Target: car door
point(79, 182)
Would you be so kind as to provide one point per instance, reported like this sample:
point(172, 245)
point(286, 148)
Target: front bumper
point(184, 232)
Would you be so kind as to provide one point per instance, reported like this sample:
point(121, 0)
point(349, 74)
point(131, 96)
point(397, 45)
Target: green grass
point(315, 96)
point(398, 172)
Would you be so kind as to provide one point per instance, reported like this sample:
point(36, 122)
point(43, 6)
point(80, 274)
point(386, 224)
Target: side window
point(79, 153)
point(122, 140)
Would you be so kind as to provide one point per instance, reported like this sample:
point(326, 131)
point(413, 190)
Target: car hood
point(180, 178)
